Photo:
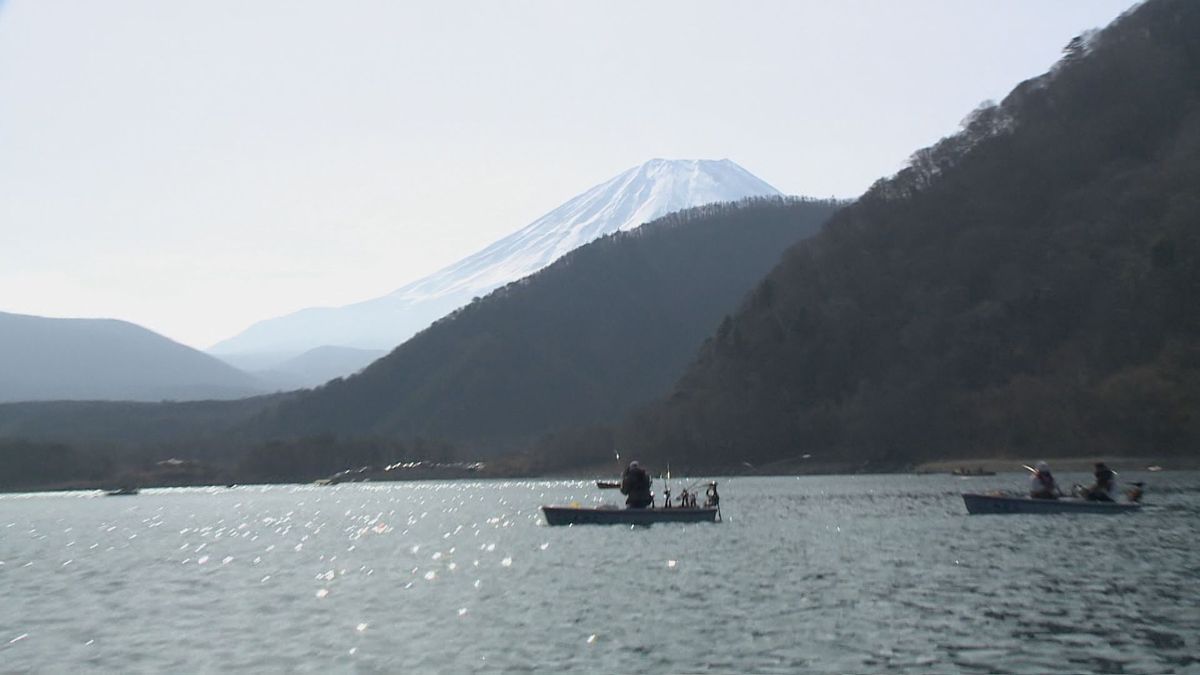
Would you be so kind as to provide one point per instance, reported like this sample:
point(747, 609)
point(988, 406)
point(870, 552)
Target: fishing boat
point(994, 504)
point(964, 471)
point(612, 515)
point(608, 514)
point(608, 484)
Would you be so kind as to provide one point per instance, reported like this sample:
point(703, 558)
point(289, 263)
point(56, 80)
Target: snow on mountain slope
point(638, 195)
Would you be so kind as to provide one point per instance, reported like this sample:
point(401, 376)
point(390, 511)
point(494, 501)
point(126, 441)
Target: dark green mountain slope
point(101, 443)
point(1030, 285)
point(609, 326)
point(204, 424)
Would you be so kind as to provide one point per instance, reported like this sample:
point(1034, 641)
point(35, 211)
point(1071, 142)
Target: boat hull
point(989, 504)
point(579, 515)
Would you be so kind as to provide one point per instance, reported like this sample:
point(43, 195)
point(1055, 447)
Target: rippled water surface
point(828, 574)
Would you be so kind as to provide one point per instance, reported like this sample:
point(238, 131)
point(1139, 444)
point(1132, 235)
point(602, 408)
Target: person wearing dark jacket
point(635, 485)
point(1105, 489)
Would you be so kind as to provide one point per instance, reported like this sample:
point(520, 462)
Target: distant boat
point(1154, 467)
point(964, 471)
point(122, 492)
point(608, 485)
point(611, 515)
point(991, 504)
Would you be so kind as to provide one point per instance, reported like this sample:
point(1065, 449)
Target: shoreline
point(1067, 464)
point(786, 467)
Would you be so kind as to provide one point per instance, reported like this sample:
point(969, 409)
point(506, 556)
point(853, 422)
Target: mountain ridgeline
point(56, 359)
point(1027, 286)
point(638, 195)
point(607, 327)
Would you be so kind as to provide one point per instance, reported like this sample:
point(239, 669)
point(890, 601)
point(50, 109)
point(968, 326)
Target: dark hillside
point(129, 422)
point(608, 327)
point(56, 444)
point(1029, 285)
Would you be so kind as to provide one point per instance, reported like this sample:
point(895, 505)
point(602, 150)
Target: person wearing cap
point(1105, 488)
point(635, 485)
point(1042, 484)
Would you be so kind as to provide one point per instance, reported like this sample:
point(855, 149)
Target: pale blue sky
point(197, 166)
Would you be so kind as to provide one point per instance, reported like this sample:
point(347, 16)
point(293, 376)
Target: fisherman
point(1042, 484)
point(1105, 488)
point(635, 485)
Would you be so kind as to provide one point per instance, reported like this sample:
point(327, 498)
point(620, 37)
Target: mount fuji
point(636, 196)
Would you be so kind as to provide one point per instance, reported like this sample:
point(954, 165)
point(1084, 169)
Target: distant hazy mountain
point(638, 195)
point(604, 328)
point(316, 366)
point(48, 359)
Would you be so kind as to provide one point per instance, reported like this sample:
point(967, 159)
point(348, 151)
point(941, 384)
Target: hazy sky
point(197, 166)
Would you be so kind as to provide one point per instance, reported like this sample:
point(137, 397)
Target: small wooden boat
point(122, 492)
point(993, 504)
point(611, 515)
point(608, 485)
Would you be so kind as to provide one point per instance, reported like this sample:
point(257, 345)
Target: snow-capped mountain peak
point(639, 195)
point(636, 196)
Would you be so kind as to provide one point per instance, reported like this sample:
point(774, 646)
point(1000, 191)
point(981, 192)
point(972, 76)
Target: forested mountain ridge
point(1027, 286)
point(609, 326)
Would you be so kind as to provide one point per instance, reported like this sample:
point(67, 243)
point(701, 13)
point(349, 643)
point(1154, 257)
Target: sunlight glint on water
point(852, 574)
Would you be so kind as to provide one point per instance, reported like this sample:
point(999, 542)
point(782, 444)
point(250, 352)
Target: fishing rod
point(690, 494)
point(686, 492)
point(667, 488)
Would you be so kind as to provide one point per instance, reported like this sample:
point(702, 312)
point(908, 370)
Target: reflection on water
point(845, 574)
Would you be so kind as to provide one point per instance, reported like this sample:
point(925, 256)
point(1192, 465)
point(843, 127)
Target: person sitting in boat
point(1042, 484)
point(1105, 488)
point(635, 485)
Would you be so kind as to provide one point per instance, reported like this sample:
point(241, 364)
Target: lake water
point(817, 574)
